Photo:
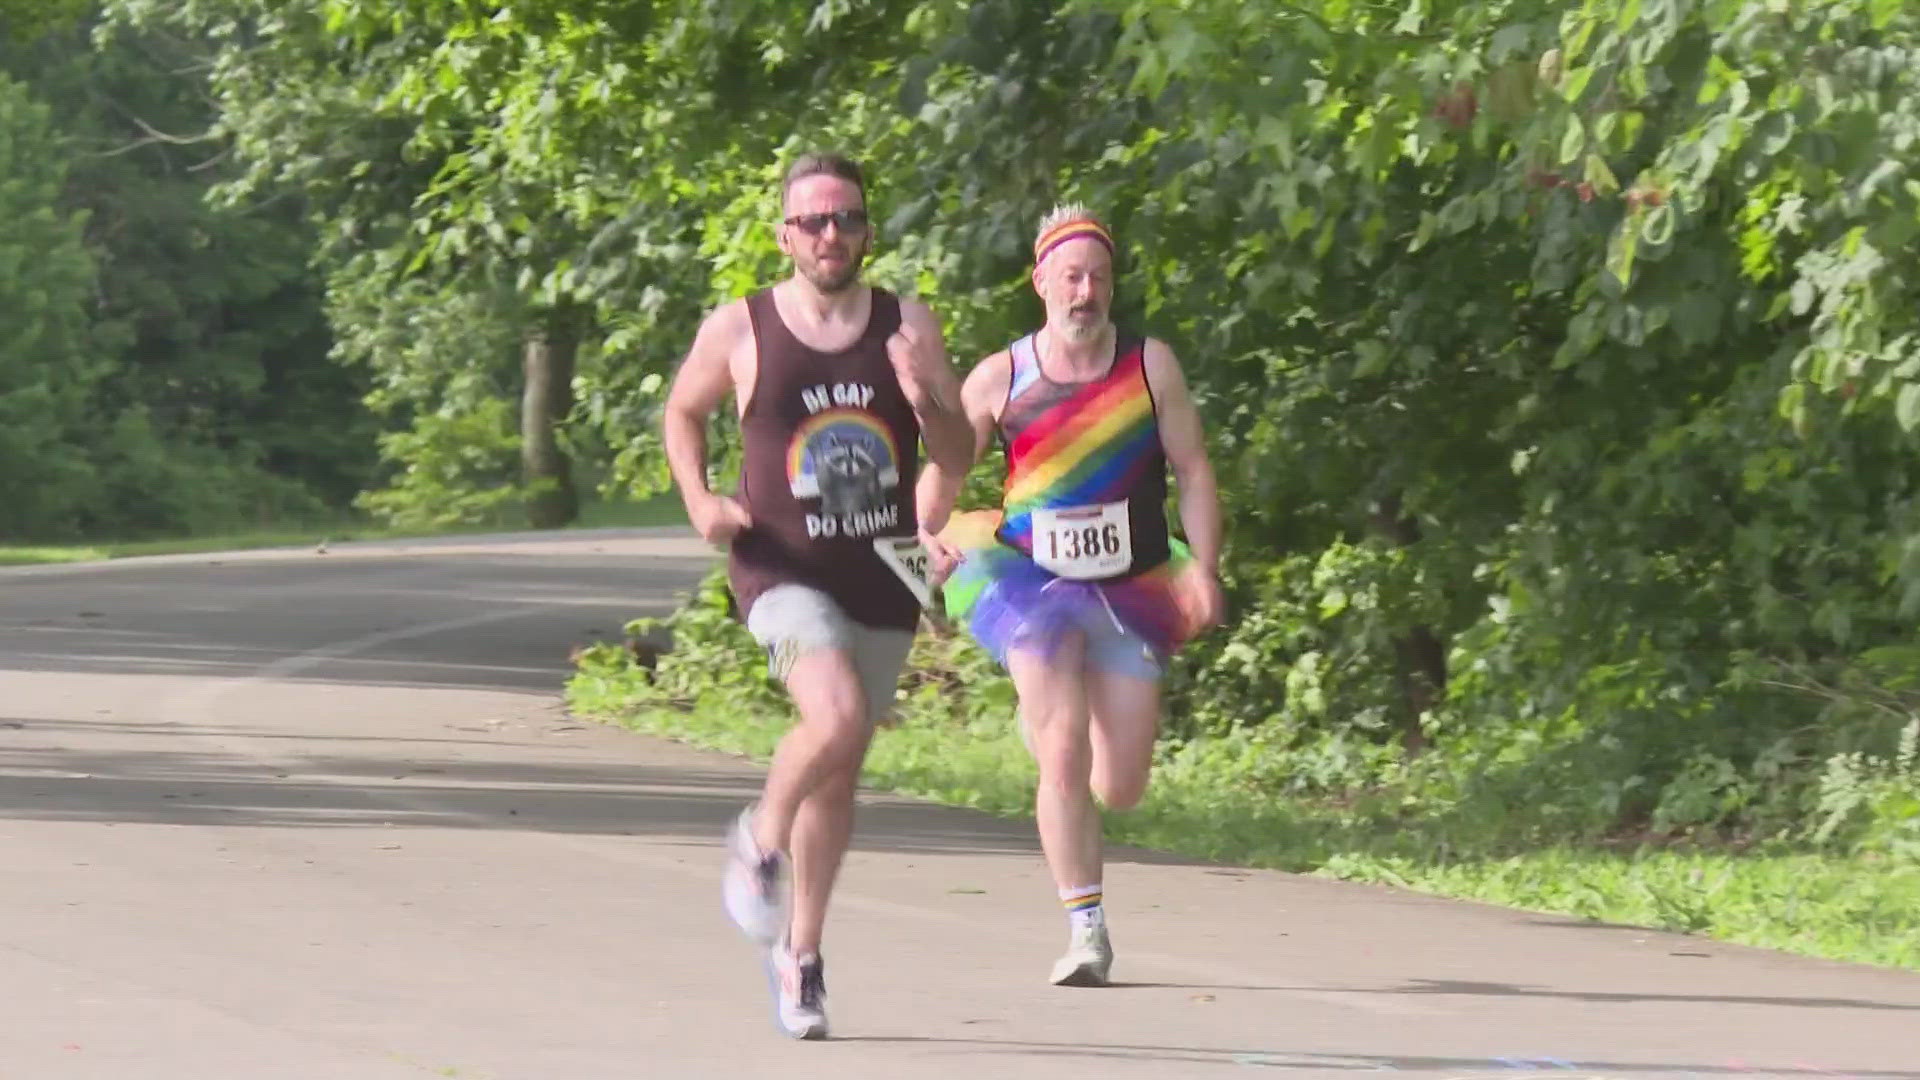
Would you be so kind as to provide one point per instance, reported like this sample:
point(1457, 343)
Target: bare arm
point(704, 381)
point(1186, 448)
point(935, 393)
point(980, 398)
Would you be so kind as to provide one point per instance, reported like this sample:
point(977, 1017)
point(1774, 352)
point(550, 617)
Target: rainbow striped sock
point(1083, 905)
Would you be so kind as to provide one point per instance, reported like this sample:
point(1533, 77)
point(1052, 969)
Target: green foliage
point(459, 469)
point(46, 373)
point(148, 485)
point(442, 365)
point(1867, 794)
point(1808, 904)
point(704, 659)
point(26, 21)
point(202, 325)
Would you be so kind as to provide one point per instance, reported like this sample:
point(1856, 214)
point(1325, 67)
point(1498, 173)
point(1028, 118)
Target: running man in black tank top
point(837, 384)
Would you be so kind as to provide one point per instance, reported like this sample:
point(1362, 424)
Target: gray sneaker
point(752, 884)
point(1088, 960)
point(799, 986)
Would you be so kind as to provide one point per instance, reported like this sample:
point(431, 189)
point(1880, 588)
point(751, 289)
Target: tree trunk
point(1421, 654)
point(546, 398)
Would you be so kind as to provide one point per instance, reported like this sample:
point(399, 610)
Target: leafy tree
point(46, 371)
point(204, 323)
point(26, 20)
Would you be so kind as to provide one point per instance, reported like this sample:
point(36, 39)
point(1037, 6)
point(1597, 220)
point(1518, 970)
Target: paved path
point(293, 815)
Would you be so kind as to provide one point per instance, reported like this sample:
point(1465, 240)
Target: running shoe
point(751, 884)
point(799, 986)
point(1088, 959)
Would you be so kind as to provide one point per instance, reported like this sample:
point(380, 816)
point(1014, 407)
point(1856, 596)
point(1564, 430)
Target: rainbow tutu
point(1007, 601)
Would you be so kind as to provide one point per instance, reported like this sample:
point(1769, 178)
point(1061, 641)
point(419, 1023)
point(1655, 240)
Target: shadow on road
point(1476, 989)
point(234, 621)
point(39, 780)
point(1454, 1068)
point(1491, 989)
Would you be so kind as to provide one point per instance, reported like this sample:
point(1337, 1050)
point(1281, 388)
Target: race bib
point(1083, 542)
point(909, 562)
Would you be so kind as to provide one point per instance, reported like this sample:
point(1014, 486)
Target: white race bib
point(1083, 542)
point(910, 562)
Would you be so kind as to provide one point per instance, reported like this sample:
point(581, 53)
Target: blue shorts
point(1112, 650)
point(1079, 607)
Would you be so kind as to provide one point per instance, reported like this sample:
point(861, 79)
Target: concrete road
point(293, 815)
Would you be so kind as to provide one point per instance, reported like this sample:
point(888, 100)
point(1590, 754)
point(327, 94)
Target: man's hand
point(718, 518)
point(942, 558)
point(1209, 599)
point(916, 369)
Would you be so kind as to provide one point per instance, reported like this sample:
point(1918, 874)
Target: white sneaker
point(751, 884)
point(1088, 959)
point(799, 992)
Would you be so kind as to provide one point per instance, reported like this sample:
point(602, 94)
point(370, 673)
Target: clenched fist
point(718, 519)
point(917, 371)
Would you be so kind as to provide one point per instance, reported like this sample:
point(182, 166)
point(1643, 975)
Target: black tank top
point(830, 453)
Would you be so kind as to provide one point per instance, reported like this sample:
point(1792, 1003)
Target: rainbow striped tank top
point(1080, 445)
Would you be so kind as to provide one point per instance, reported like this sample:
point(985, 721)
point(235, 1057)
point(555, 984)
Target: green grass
point(1814, 904)
point(662, 510)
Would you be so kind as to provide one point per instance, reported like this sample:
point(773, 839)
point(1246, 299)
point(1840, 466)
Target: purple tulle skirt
point(1007, 601)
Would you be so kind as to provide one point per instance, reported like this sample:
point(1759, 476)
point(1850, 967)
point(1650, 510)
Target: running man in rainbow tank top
point(1075, 584)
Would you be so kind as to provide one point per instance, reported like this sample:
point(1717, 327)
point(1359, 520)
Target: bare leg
point(821, 833)
point(1053, 712)
point(807, 805)
point(1125, 722)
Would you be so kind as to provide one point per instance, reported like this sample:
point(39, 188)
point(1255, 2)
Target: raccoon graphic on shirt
point(844, 456)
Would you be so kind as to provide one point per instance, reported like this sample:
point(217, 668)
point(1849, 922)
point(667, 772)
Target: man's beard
point(834, 281)
point(1083, 324)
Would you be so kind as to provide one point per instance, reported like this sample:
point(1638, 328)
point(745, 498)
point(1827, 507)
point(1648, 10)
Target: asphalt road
point(294, 815)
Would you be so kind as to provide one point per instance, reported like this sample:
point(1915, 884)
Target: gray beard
point(1080, 333)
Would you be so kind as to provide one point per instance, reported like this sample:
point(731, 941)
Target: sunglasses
point(849, 221)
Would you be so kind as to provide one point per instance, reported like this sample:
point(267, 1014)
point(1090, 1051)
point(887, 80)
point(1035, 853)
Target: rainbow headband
point(1070, 230)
